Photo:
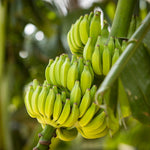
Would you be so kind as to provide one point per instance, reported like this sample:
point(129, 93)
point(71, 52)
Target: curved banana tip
point(75, 103)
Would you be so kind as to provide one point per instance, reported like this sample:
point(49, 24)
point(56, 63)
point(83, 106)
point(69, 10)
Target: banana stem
point(122, 18)
point(45, 138)
point(134, 41)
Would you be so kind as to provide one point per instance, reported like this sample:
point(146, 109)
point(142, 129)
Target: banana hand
point(65, 134)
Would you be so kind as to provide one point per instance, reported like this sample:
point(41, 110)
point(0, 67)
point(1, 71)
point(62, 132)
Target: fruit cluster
point(66, 100)
point(49, 106)
point(87, 39)
point(85, 27)
point(63, 73)
point(101, 55)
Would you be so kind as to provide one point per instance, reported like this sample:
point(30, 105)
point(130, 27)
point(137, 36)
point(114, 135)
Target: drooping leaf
point(136, 80)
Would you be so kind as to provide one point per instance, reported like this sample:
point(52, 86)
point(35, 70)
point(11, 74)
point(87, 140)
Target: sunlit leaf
point(136, 80)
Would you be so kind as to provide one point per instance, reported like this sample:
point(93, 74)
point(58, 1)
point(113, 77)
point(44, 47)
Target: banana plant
point(66, 104)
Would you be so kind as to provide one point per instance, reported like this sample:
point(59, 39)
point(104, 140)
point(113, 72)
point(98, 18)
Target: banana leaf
point(136, 80)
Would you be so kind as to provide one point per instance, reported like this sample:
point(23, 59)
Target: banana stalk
point(122, 18)
point(45, 140)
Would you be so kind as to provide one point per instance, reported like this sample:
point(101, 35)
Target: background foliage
point(34, 31)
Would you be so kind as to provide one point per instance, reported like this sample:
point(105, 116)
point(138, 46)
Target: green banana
point(73, 117)
point(99, 38)
point(55, 89)
point(101, 45)
point(52, 71)
point(57, 107)
point(34, 100)
point(63, 96)
point(58, 68)
point(65, 112)
point(85, 103)
point(78, 53)
point(49, 86)
point(49, 104)
point(124, 45)
point(94, 136)
point(115, 56)
point(105, 32)
point(76, 32)
point(95, 26)
point(97, 61)
point(84, 29)
point(117, 45)
point(88, 49)
point(98, 130)
point(28, 98)
point(92, 92)
point(111, 45)
point(88, 63)
point(73, 49)
point(47, 75)
point(35, 83)
point(72, 30)
point(73, 59)
point(90, 16)
point(65, 134)
point(106, 60)
point(41, 100)
point(96, 122)
point(86, 79)
point(75, 95)
point(87, 117)
point(45, 83)
point(72, 75)
point(99, 100)
point(64, 71)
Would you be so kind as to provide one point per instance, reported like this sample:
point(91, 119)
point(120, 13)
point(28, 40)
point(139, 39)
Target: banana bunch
point(63, 73)
point(48, 106)
point(86, 26)
point(92, 120)
point(86, 38)
point(102, 55)
point(66, 99)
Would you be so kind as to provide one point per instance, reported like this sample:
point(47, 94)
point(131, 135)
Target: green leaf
point(136, 80)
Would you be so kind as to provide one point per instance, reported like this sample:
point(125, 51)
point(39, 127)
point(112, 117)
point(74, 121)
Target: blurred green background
point(32, 32)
